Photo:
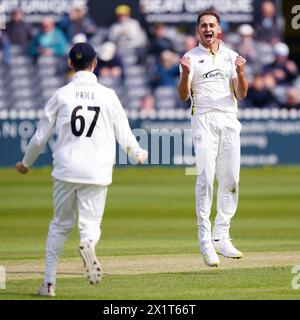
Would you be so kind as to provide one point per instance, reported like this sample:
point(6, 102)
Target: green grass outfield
point(149, 247)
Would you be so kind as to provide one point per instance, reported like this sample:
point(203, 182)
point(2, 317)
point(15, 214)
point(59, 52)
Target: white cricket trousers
point(216, 138)
point(69, 198)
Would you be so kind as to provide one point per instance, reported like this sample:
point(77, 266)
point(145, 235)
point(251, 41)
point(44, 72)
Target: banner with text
point(169, 141)
point(35, 10)
point(166, 11)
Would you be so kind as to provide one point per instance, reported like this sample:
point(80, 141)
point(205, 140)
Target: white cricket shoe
point(209, 255)
point(227, 249)
point(91, 264)
point(47, 290)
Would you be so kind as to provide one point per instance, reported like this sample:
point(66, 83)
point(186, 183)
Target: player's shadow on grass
point(41, 273)
point(23, 272)
point(215, 272)
point(4, 293)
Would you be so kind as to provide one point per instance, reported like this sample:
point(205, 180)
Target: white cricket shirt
point(87, 119)
point(211, 79)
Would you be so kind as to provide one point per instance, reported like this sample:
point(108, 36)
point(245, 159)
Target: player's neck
point(213, 48)
point(86, 70)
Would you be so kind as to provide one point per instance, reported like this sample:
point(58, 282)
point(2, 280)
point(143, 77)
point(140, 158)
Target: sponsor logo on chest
point(215, 74)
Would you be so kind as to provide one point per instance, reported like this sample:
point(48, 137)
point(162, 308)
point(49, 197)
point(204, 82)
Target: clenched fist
point(143, 156)
point(240, 63)
point(186, 65)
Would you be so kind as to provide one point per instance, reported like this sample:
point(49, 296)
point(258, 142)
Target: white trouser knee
point(91, 204)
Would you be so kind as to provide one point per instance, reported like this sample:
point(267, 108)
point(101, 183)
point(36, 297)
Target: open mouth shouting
point(209, 36)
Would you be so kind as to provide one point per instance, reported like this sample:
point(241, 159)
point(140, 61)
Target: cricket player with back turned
point(213, 77)
point(88, 119)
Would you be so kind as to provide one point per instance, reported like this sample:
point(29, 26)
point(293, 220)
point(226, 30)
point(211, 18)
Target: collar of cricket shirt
point(221, 47)
point(85, 75)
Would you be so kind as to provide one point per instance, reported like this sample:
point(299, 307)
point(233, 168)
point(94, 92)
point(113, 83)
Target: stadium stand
point(143, 77)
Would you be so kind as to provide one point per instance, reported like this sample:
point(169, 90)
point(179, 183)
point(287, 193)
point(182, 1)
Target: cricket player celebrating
point(213, 76)
point(88, 119)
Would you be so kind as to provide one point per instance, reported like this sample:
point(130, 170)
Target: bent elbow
point(243, 96)
point(183, 97)
point(39, 141)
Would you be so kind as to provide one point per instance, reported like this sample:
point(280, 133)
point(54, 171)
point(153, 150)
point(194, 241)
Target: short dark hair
point(209, 13)
point(82, 56)
point(82, 67)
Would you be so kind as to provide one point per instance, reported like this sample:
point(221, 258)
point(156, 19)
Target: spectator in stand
point(160, 41)
point(127, 32)
point(269, 81)
point(166, 72)
point(79, 37)
point(189, 43)
point(76, 22)
point(259, 96)
point(292, 101)
point(109, 62)
point(143, 10)
point(4, 48)
point(18, 32)
point(50, 41)
point(284, 70)
point(267, 29)
point(247, 44)
point(147, 103)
